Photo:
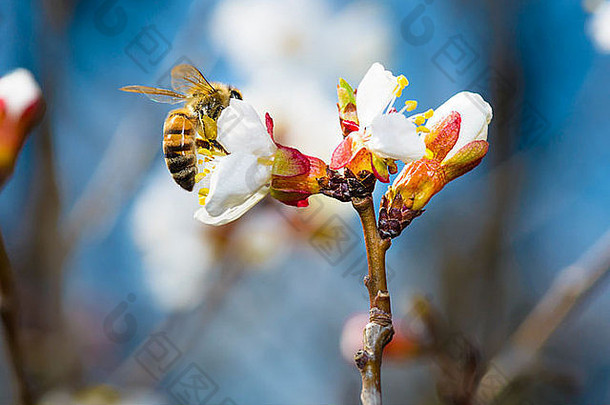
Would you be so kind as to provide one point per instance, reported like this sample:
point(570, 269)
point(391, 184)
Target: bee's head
point(235, 93)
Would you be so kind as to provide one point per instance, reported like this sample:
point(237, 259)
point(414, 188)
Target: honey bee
point(192, 126)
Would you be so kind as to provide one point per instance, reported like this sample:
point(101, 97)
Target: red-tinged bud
point(21, 107)
point(455, 145)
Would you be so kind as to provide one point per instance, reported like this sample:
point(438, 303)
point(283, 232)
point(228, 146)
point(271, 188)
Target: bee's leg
point(202, 143)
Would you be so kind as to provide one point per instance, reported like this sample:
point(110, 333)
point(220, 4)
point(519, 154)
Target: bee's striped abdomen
point(179, 148)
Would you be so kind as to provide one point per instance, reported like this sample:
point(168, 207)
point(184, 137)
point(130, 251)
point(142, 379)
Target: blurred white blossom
point(180, 253)
point(291, 55)
point(599, 26)
point(305, 36)
point(305, 117)
point(175, 248)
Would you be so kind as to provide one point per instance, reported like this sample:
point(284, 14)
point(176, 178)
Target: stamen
point(420, 120)
point(204, 192)
point(391, 105)
point(429, 154)
point(423, 129)
point(402, 82)
point(199, 177)
point(200, 161)
point(428, 114)
point(205, 152)
point(410, 105)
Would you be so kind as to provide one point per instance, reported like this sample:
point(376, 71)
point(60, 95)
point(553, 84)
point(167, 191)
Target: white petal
point(375, 92)
point(393, 136)
point(236, 179)
point(231, 214)
point(18, 90)
point(240, 130)
point(476, 115)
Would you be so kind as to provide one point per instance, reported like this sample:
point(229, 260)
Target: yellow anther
point(199, 177)
point(429, 154)
point(420, 120)
point(203, 151)
point(411, 105)
point(201, 200)
point(204, 192)
point(200, 161)
point(403, 81)
point(423, 129)
point(428, 114)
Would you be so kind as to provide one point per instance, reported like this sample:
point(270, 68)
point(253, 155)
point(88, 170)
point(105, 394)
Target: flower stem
point(379, 331)
point(9, 315)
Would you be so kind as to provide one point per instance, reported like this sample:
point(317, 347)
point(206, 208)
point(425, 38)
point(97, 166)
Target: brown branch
point(571, 288)
point(10, 325)
point(379, 331)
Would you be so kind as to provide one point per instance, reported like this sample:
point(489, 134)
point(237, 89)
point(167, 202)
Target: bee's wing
point(155, 94)
point(187, 79)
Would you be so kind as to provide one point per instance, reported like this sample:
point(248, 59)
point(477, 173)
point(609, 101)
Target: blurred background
point(126, 299)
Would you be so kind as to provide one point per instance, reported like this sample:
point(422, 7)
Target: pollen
point(267, 161)
point(420, 120)
point(429, 154)
point(203, 192)
point(411, 105)
point(423, 129)
point(402, 83)
point(199, 177)
point(200, 161)
point(205, 152)
point(202, 200)
point(428, 114)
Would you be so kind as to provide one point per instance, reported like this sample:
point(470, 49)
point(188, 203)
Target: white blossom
point(386, 133)
point(239, 180)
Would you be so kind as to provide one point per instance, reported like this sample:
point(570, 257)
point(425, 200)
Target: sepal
point(465, 159)
point(295, 176)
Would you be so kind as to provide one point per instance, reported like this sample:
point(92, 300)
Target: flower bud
point(455, 145)
point(21, 107)
point(347, 108)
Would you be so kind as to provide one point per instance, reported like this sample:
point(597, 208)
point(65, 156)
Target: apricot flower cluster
point(435, 147)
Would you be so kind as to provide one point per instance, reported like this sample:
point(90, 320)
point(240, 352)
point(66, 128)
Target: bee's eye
point(236, 94)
